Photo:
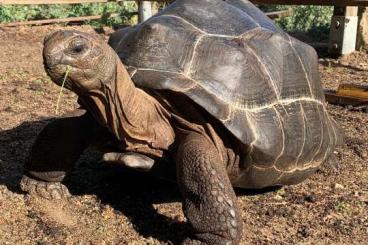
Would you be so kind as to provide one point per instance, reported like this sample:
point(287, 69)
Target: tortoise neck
point(137, 118)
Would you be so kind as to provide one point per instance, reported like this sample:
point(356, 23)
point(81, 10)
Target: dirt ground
point(111, 206)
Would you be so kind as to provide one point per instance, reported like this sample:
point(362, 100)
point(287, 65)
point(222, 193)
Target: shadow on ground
point(131, 193)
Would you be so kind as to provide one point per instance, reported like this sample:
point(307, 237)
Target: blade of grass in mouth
point(61, 89)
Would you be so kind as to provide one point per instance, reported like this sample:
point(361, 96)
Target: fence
point(144, 11)
point(343, 31)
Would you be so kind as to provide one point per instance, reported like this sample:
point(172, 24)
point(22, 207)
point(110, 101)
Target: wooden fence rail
point(282, 2)
point(58, 20)
point(31, 2)
point(343, 25)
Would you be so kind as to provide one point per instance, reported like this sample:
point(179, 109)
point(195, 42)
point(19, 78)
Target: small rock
point(278, 197)
point(14, 91)
point(304, 231)
point(311, 198)
point(364, 154)
point(338, 186)
point(8, 109)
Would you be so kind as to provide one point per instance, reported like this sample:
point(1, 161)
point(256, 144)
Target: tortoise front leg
point(55, 151)
point(209, 199)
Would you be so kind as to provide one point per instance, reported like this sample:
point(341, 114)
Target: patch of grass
point(12, 13)
point(68, 68)
point(343, 207)
point(281, 192)
point(361, 204)
point(41, 80)
point(101, 229)
point(313, 20)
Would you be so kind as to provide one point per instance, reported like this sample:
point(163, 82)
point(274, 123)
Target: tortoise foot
point(47, 190)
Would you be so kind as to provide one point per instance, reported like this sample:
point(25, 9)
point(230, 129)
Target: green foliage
point(314, 20)
point(11, 13)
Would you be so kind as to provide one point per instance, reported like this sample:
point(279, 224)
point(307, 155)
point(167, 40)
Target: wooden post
point(144, 10)
point(362, 36)
point(343, 31)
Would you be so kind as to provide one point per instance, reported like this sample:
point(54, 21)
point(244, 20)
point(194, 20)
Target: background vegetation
point(314, 20)
point(12, 13)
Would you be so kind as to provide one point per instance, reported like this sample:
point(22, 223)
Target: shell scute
point(292, 120)
point(313, 133)
point(239, 124)
point(268, 131)
point(168, 80)
point(308, 59)
point(257, 177)
point(212, 17)
point(231, 75)
point(162, 44)
point(328, 137)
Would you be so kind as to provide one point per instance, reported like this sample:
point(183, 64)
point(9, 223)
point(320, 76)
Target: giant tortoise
point(211, 89)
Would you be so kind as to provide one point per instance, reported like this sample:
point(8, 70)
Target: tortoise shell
point(231, 59)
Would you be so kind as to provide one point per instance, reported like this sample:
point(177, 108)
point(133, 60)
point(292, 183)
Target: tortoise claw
point(131, 160)
point(47, 190)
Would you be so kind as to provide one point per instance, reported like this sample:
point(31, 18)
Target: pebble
point(278, 197)
point(311, 198)
point(338, 186)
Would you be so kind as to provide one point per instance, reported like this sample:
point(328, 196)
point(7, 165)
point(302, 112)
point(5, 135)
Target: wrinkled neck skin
point(136, 119)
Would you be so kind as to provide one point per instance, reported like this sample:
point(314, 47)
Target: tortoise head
point(90, 62)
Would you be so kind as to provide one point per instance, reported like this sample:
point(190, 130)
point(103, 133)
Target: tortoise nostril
point(52, 60)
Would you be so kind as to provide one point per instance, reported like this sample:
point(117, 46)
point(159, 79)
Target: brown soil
point(111, 206)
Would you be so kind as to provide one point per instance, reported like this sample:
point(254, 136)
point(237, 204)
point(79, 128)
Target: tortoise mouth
point(60, 75)
point(72, 78)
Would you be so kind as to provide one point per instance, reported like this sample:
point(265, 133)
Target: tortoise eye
point(78, 49)
point(77, 46)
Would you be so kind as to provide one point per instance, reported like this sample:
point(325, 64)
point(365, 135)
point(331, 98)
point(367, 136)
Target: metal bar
point(144, 10)
point(343, 31)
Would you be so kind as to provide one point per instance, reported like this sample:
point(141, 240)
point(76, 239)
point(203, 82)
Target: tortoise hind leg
point(209, 199)
point(56, 149)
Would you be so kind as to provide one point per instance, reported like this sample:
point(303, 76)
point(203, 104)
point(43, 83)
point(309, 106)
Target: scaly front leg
point(57, 148)
point(209, 199)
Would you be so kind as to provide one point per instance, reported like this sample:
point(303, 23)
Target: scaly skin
point(57, 148)
point(209, 199)
point(44, 189)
